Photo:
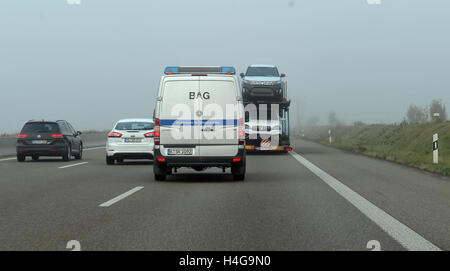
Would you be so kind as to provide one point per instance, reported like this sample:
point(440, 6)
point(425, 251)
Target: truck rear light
point(114, 134)
point(57, 135)
point(156, 133)
point(22, 135)
point(288, 149)
point(237, 160)
point(149, 134)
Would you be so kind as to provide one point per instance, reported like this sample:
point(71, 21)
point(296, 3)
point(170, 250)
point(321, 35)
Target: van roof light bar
point(199, 70)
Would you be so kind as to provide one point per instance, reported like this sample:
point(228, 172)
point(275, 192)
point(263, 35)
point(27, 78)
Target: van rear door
point(220, 116)
point(179, 136)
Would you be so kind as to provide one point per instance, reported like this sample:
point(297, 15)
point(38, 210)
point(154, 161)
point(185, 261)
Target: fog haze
point(100, 61)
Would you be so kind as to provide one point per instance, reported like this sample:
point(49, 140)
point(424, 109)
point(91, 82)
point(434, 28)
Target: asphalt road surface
point(317, 198)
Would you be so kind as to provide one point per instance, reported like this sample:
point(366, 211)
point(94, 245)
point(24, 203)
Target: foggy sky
point(100, 61)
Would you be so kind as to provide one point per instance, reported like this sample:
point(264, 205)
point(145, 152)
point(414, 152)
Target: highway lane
point(281, 205)
point(418, 199)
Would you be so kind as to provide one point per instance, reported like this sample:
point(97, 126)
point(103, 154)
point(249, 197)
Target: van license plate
point(180, 151)
point(132, 140)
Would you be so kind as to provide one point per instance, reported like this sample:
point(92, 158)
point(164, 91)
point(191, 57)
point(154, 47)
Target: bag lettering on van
point(199, 95)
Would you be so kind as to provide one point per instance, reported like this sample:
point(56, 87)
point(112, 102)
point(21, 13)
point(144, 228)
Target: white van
point(199, 121)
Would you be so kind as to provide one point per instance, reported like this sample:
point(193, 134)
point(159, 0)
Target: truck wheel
point(20, 158)
point(109, 160)
point(160, 177)
point(35, 157)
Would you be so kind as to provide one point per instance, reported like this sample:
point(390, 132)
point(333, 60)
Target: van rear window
point(134, 126)
point(41, 127)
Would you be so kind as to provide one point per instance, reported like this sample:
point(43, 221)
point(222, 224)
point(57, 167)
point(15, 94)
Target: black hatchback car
point(49, 138)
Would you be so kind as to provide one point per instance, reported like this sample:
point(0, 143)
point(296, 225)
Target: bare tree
point(312, 121)
point(437, 106)
point(416, 114)
point(333, 120)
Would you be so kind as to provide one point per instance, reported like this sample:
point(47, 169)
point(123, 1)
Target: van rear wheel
point(238, 177)
point(20, 158)
point(238, 172)
point(160, 172)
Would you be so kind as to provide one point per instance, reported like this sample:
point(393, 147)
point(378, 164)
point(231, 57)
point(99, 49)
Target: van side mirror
point(283, 75)
point(79, 133)
point(242, 75)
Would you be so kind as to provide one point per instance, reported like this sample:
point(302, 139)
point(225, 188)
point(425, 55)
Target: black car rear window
point(41, 127)
point(134, 126)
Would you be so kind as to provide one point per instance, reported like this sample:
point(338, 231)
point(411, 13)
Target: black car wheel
point(68, 154)
point(79, 155)
point(35, 157)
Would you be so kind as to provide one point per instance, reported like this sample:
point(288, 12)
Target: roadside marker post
point(329, 135)
point(435, 149)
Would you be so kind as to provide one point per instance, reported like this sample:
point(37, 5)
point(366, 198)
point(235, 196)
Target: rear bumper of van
point(205, 161)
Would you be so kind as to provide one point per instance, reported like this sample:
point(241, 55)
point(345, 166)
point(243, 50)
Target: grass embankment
point(406, 144)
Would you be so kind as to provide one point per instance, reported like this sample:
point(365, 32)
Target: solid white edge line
point(73, 165)
point(408, 238)
point(94, 148)
point(7, 159)
point(121, 197)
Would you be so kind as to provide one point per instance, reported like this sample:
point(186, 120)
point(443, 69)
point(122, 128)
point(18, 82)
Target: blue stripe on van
point(224, 122)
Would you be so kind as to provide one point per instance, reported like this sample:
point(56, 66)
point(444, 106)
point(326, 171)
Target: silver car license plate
point(132, 140)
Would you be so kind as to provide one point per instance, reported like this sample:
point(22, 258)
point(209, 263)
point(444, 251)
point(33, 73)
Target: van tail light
point(114, 134)
point(156, 133)
point(57, 136)
point(241, 132)
point(22, 135)
point(161, 159)
point(237, 160)
point(149, 134)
